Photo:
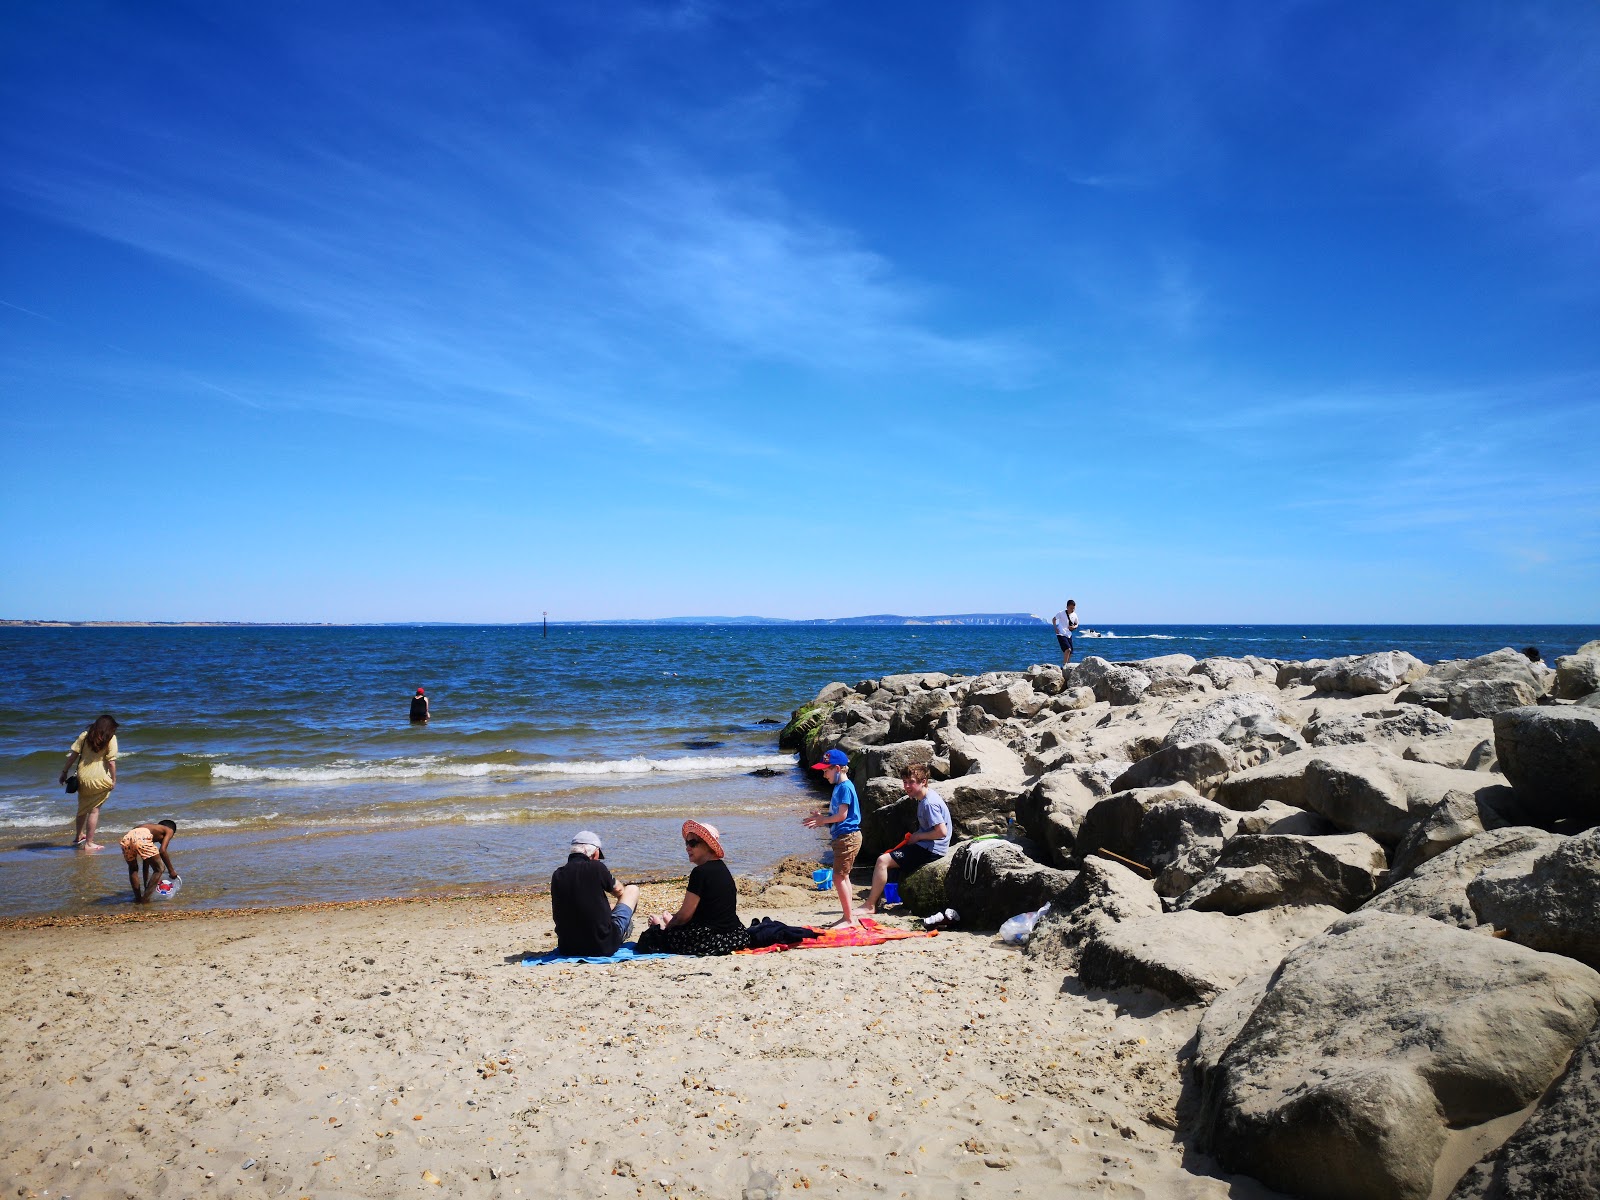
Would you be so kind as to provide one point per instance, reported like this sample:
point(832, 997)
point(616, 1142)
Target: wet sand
point(401, 1048)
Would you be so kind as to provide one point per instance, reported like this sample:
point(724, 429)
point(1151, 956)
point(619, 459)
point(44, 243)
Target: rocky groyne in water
point(1381, 879)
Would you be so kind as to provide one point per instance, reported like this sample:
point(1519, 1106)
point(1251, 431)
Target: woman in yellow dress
point(95, 753)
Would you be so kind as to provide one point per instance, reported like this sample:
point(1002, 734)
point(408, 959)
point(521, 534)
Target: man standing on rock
point(1066, 623)
point(929, 841)
point(586, 924)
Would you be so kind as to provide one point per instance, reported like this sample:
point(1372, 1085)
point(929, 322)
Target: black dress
point(715, 926)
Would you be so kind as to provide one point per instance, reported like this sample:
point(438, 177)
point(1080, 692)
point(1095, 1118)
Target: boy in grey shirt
point(930, 839)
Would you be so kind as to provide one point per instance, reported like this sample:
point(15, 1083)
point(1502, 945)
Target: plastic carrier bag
point(1016, 930)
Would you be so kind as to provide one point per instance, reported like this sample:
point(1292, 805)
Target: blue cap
point(833, 758)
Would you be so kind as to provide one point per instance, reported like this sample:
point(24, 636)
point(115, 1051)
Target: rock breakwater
point(1382, 878)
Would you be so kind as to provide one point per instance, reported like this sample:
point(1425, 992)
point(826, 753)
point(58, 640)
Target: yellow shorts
point(139, 844)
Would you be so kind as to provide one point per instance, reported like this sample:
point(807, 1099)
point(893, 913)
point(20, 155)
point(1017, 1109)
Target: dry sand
point(401, 1048)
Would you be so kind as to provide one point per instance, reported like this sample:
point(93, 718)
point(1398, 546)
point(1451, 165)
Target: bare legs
point(87, 824)
point(841, 885)
point(880, 880)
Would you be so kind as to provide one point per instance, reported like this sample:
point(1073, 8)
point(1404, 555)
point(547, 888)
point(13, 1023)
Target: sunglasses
point(692, 842)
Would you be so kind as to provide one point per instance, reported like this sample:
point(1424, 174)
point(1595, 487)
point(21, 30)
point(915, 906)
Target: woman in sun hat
point(707, 922)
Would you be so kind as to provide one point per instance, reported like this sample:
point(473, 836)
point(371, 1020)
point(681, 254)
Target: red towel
point(870, 934)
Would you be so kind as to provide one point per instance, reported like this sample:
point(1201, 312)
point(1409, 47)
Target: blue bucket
point(823, 878)
point(891, 893)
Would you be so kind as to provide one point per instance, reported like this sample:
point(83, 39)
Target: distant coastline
point(876, 619)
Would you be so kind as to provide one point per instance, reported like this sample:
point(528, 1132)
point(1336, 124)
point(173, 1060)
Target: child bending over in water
point(144, 847)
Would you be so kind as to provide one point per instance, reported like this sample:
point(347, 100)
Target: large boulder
point(1459, 816)
point(1369, 674)
point(1113, 823)
point(1053, 810)
point(1552, 757)
point(1202, 765)
point(1280, 781)
point(987, 783)
point(1104, 892)
point(1192, 957)
point(1272, 817)
point(922, 890)
point(1180, 840)
point(1375, 1039)
point(1221, 672)
point(1367, 791)
point(1554, 906)
point(1437, 889)
point(1477, 687)
point(915, 717)
point(1257, 871)
point(1399, 724)
point(1249, 723)
point(1577, 676)
point(1556, 1154)
point(1165, 666)
point(1014, 700)
point(905, 685)
point(990, 880)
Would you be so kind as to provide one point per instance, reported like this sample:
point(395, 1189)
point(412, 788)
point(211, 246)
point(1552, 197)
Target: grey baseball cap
point(586, 837)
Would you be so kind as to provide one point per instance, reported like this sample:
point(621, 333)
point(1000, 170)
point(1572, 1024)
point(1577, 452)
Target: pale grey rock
point(1192, 957)
point(1165, 666)
point(889, 760)
point(979, 722)
point(1053, 810)
point(1577, 676)
point(1257, 871)
point(1556, 1154)
point(1046, 679)
point(902, 685)
point(1554, 906)
point(1203, 765)
point(832, 693)
point(1551, 755)
point(1171, 687)
point(1014, 700)
point(1103, 892)
point(1280, 780)
point(1459, 816)
point(1366, 791)
point(1122, 686)
point(914, 717)
point(1293, 674)
point(1114, 823)
point(1437, 890)
point(1179, 840)
point(1272, 817)
point(1404, 722)
point(1374, 1039)
point(1369, 674)
point(1250, 723)
point(990, 881)
point(1221, 672)
point(1073, 699)
point(1477, 687)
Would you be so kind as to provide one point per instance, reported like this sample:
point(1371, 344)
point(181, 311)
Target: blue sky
point(1196, 312)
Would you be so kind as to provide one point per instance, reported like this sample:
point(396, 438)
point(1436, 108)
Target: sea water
point(287, 759)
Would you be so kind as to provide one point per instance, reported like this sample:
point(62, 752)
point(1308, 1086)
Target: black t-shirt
point(719, 898)
point(582, 911)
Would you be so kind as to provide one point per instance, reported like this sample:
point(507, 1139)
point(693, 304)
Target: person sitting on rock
point(929, 841)
point(586, 923)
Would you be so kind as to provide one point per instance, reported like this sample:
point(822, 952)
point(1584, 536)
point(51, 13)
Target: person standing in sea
point(419, 709)
point(95, 755)
point(1066, 623)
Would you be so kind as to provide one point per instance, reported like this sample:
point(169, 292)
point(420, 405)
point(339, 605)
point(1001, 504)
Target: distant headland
point(875, 619)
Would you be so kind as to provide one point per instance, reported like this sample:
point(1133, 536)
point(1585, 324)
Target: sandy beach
point(388, 1049)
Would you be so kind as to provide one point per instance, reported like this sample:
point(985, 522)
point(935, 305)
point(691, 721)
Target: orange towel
point(870, 934)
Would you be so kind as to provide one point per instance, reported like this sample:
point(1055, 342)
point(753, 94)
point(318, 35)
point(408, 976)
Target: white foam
point(351, 771)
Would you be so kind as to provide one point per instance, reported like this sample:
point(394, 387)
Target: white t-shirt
point(1065, 623)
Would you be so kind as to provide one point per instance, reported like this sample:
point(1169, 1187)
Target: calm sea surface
point(286, 757)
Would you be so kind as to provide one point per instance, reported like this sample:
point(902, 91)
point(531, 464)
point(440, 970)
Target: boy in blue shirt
point(844, 821)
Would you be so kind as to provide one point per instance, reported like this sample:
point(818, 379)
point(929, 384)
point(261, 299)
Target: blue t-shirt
point(844, 796)
point(931, 811)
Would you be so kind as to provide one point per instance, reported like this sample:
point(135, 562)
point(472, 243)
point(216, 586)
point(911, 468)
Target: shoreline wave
point(429, 767)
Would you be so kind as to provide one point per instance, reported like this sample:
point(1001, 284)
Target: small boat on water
point(1095, 633)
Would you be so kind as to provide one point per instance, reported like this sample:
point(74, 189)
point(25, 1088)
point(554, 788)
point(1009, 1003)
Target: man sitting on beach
point(929, 841)
point(144, 848)
point(586, 923)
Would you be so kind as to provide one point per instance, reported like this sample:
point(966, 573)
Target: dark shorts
point(622, 918)
point(913, 855)
point(1064, 642)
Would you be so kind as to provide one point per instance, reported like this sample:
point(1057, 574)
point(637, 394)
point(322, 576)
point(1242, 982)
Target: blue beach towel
point(626, 954)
